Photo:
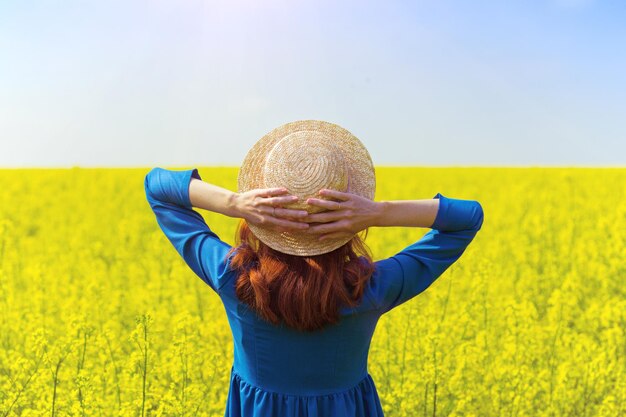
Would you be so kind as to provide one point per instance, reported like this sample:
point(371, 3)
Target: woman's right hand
point(343, 218)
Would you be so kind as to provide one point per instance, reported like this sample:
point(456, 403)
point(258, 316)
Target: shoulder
point(386, 277)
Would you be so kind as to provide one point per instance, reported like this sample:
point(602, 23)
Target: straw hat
point(305, 156)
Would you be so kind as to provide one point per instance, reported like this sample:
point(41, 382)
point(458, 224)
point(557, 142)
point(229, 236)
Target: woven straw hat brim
point(305, 156)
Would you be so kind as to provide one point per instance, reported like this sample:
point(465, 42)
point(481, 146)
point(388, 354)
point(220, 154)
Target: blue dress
point(279, 371)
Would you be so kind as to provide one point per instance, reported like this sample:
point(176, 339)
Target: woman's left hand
point(262, 207)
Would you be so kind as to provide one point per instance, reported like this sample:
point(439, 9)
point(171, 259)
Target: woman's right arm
point(399, 278)
point(407, 213)
point(412, 270)
point(349, 213)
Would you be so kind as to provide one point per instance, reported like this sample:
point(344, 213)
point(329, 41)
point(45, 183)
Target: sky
point(139, 83)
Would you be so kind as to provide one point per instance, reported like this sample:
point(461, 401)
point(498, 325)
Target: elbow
point(152, 172)
point(478, 216)
point(148, 180)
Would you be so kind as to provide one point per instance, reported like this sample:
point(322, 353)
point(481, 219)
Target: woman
point(301, 293)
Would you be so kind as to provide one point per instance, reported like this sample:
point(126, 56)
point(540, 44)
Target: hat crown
point(305, 156)
point(305, 162)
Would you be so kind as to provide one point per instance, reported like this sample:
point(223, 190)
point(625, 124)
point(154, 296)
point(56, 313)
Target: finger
point(335, 194)
point(288, 223)
point(283, 212)
point(277, 201)
point(269, 192)
point(328, 204)
point(325, 217)
point(325, 228)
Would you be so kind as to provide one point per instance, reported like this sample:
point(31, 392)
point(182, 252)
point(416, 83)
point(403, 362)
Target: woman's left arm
point(261, 206)
point(172, 196)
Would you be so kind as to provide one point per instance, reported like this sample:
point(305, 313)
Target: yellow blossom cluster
point(99, 316)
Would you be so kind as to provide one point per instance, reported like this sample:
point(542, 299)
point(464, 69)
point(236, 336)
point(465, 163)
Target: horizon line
point(184, 166)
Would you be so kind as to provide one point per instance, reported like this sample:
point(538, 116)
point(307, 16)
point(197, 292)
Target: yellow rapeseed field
point(99, 316)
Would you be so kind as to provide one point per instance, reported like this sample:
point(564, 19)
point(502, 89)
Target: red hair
point(304, 292)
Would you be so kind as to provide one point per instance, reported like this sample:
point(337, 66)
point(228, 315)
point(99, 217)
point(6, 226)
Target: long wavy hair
point(303, 292)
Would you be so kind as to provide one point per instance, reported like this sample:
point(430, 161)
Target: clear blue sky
point(155, 82)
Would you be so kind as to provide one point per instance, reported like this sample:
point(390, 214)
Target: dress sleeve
point(412, 270)
point(168, 195)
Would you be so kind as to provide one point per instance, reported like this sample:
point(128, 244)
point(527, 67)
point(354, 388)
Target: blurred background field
point(99, 316)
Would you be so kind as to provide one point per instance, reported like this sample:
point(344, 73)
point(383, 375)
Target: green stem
point(19, 394)
point(145, 366)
